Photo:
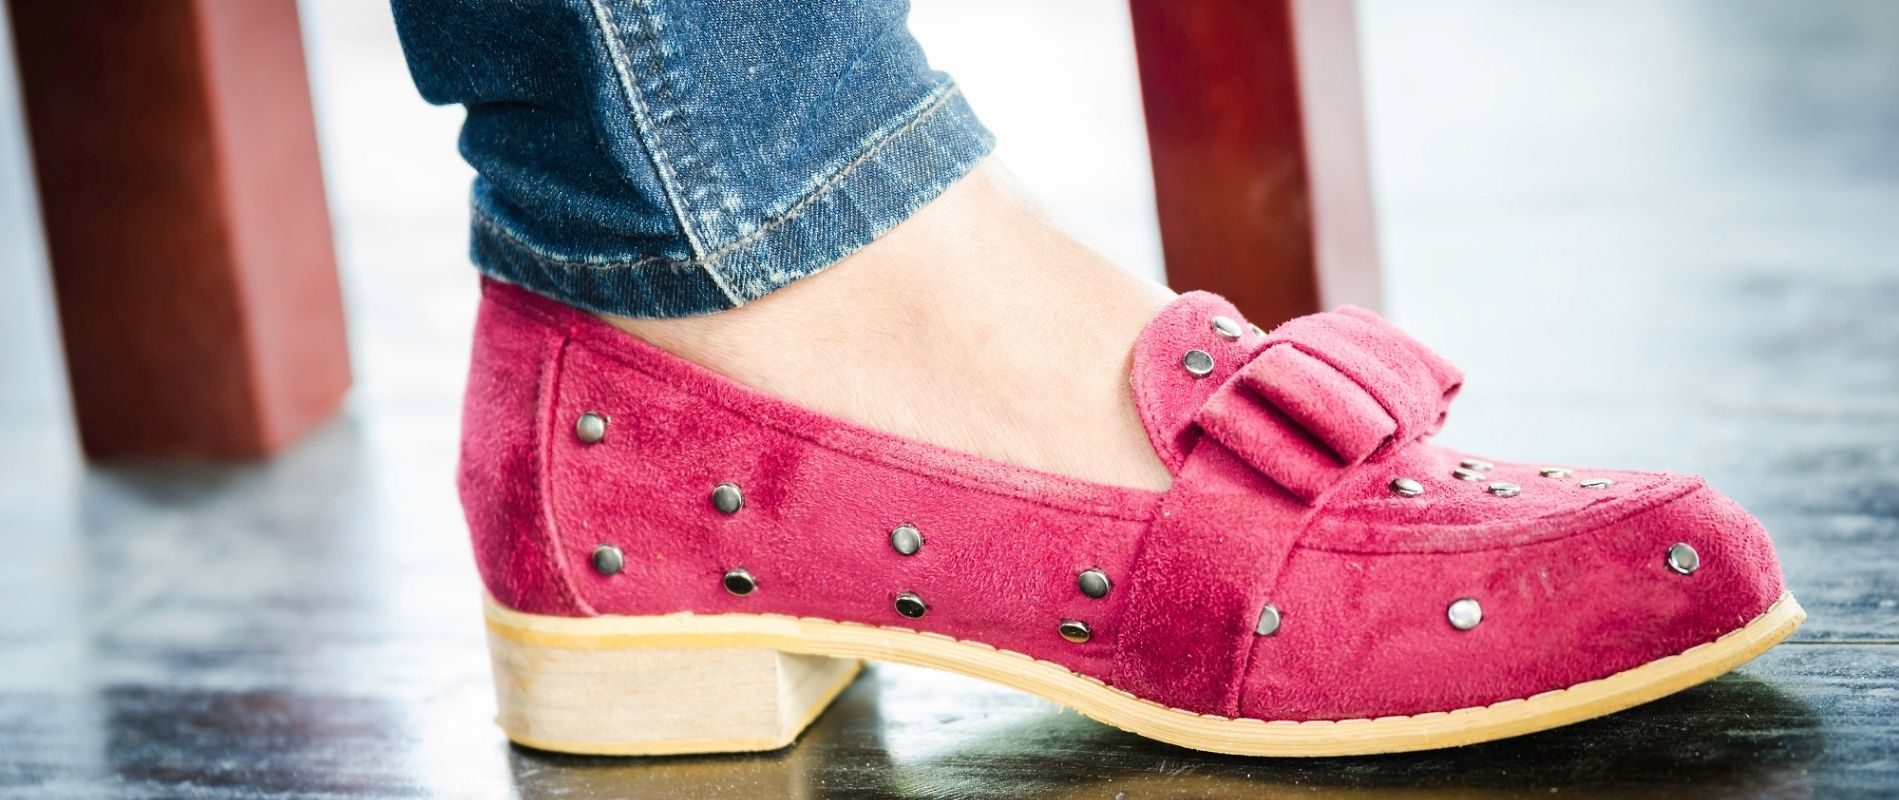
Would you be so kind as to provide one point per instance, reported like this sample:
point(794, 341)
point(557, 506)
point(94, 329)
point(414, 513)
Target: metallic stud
point(1597, 483)
point(590, 428)
point(906, 539)
point(1554, 472)
point(1257, 330)
point(1477, 464)
point(1075, 630)
point(1465, 614)
point(1198, 363)
point(910, 605)
point(1227, 328)
point(1406, 487)
point(1505, 489)
point(1094, 583)
point(607, 559)
point(727, 498)
point(739, 582)
point(1268, 621)
point(1682, 558)
point(1467, 474)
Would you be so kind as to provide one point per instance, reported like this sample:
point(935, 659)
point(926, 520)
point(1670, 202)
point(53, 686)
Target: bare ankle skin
point(975, 325)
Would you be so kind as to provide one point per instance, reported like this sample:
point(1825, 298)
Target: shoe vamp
point(1510, 503)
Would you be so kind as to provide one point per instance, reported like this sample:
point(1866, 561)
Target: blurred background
point(1655, 234)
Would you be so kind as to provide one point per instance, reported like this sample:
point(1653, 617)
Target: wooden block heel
point(619, 695)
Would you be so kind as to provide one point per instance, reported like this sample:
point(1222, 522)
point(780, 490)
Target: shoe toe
point(1554, 599)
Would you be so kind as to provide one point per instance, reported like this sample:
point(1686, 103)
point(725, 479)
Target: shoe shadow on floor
point(1735, 737)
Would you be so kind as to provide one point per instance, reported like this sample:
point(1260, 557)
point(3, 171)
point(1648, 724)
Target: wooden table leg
point(185, 220)
point(1255, 120)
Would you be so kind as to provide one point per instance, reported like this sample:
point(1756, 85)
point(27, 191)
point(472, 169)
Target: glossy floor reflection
point(1655, 235)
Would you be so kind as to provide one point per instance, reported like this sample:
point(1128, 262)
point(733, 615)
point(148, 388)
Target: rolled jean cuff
point(896, 173)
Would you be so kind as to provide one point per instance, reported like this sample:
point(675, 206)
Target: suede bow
point(1328, 392)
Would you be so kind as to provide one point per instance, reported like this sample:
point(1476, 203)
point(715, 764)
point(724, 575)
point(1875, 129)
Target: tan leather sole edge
point(694, 677)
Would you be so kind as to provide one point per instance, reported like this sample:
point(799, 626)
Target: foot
point(1319, 560)
point(974, 325)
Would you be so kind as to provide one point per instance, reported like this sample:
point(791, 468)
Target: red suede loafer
point(677, 563)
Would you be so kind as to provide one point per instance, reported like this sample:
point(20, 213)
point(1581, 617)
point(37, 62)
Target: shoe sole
point(686, 683)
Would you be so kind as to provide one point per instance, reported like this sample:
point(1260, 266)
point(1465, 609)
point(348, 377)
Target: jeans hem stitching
point(708, 261)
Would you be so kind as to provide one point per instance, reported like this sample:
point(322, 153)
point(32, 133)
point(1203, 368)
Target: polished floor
point(1654, 234)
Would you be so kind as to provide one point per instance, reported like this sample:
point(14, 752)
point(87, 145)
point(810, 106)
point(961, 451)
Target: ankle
point(974, 325)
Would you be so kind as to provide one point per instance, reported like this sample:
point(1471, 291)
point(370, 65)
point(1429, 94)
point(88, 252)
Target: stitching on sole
point(506, 631)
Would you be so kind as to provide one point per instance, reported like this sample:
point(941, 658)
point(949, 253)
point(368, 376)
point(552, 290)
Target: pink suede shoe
point(677, 563)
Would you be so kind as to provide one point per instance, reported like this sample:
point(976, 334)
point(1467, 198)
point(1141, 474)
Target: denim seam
point(708, 261)
point(650, 138)
point(676, 129)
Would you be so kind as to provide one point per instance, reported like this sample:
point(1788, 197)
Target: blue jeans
point(659, 158)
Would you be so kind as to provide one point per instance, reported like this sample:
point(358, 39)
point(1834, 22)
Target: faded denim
point(659, 158)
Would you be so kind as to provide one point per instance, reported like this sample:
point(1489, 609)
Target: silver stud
point(1597, 483)
point(739, 582)
point(1094, 583)
point(1268, 621)
point(1554, 472)
point(607, 559)
point(590, 428)
point(1227, 328)
point(1198, 363)
point(1467, 474)
point(1257, 330)
point(1406, 487)
point(906, 539)
point(727, 498)
point(1465, 614)
point(1505, 489)
point(910, 605)
point(1682, 558)
point(1477, 464)
point(1075, 630)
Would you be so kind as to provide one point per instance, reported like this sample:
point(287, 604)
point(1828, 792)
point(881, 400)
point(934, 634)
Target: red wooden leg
point(185, 220)
point(1256, 125)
